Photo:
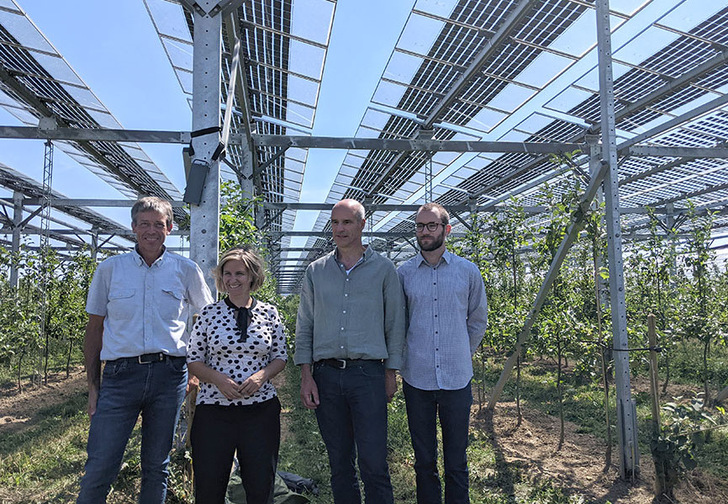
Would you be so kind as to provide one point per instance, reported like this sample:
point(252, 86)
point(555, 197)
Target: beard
point(435, 243)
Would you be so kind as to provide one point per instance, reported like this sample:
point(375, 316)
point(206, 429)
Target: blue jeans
point(352, 418)
point(128, 388)
point(453, 408)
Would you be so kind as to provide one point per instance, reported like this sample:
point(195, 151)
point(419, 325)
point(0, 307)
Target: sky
point(117, 53)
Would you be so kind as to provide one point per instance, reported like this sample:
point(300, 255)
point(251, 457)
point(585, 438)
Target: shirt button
point(346, 295)
point(344, 311)
point(342, 328)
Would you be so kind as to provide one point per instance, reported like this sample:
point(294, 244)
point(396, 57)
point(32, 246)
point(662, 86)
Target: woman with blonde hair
point(237, 345)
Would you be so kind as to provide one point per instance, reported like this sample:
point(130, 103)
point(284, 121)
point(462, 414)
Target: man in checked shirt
point(447, 315)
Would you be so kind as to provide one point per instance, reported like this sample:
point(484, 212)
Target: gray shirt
point(447, 314)
point(359, 315)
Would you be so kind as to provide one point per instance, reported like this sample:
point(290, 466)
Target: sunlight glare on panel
point(511, 97)
point(691, 13)
point(303, 90)
point(573, 40)
point(402, 67)
point(374, 119)
point(533, 123)
point(644, 45)
point(180, 53)
point(442, 8)
point(388, 93)
point(169, 18)
point(84, 97)
point(58, 68)
point(485, 120)
point(299, 114)
point(24, 31)
point(306, 59)
point(419, 34)
point(311, 20)
point(543, 69)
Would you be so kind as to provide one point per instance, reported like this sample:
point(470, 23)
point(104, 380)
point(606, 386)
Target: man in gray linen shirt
point(447, 315)
point(349, 342)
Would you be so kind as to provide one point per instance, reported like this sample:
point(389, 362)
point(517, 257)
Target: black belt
point(148, 358)
point(344, 363)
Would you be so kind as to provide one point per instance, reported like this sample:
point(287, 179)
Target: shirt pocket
point(171, 303)
point(122, 304)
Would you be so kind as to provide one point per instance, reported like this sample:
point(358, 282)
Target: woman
point(237, 345)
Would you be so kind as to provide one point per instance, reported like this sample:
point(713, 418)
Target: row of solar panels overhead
point(486, 70)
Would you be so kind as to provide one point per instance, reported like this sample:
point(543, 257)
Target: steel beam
point(206, 76)
point(97, 134)
point(412, 144)
point(626, 421)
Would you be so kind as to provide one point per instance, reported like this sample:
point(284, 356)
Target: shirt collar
point(446, 258)
point(366, 255)
point(139, 260)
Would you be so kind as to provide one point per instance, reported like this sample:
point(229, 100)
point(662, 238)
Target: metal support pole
point(626, 425)
point(17, 227)
point(206, 66)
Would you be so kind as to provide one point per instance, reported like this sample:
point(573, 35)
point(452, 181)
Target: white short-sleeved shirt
point(215, 341)
point(146, 309)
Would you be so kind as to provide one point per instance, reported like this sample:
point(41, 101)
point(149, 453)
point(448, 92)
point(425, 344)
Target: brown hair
point(252, 261)
point(153, 204)
point(436, 208)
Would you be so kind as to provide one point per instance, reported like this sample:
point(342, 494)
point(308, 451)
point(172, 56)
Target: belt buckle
point(342, 363)
point(157, 357)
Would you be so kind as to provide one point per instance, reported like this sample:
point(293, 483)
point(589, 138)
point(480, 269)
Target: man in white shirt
point(447, 315)
point(139, 306)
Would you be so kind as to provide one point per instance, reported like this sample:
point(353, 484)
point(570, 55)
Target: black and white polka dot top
point(215, 341)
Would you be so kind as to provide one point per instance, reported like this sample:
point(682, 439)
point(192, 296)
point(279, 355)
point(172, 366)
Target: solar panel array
point(477, 70)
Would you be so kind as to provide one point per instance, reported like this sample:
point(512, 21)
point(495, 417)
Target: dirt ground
point(578, 467)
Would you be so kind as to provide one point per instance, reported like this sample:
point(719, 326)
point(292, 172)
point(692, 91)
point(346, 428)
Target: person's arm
point(278, 357)
point(477, 309)
point(92, 344)
point(226, 385)
point(257, 379)
point(394, 318)
point(309, 390)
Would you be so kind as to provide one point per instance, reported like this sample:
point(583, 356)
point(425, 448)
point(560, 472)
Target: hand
point(93, 398)
point(193, 383)
point(229, 387)
point(252, 384)
point(390, 383)
point(309, 390)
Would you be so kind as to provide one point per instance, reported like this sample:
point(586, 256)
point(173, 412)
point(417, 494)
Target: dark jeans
point(453, 408)
point(352, 418)
point(155, 390)
point(218, 431)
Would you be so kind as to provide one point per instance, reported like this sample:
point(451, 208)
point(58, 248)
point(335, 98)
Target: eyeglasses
point(431, 226)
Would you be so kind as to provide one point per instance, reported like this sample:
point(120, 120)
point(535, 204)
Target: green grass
point(44, 461)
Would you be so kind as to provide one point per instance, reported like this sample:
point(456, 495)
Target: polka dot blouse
point(215, 341)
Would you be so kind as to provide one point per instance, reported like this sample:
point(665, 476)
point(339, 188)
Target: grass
point(44, 462)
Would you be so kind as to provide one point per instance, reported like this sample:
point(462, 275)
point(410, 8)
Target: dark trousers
point(218, 431)
point(453, 408)
point(352, 418)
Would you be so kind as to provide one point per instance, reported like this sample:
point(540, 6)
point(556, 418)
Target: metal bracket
point(196, 181)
